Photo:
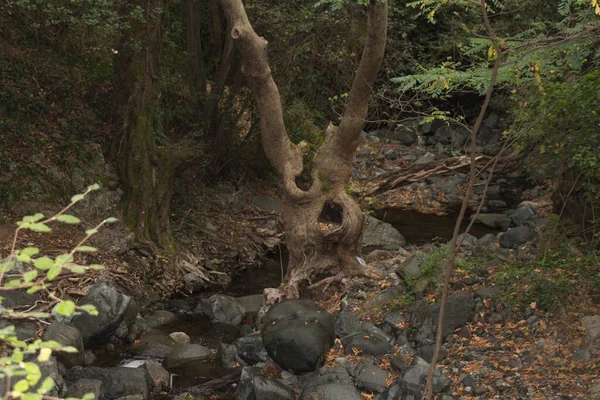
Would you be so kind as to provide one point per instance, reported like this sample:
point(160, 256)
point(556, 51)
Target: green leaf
point(63, 259)
point(91, 231)
point(30, 276)
point(68, 219)
point(88, 249)
point(88, 396)
point(89, 308)
point(36, 288)
point(39, 228)
point(76, 198)
point(43, 263)
point(77, 269)
point(21, 386)
point(96, 267)
point(31, 396)
point(33, 372)
point(44, 354)
point(24, 258)
point(54, 272)
point(13, 283)
point(93, 187)
point(33, 218)
point(30, 251)
point(110, 220)
point(46, 385)
point(66, 308)
point(68, 349)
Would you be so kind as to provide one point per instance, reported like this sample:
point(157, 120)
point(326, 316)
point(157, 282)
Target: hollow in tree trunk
point(322, 223)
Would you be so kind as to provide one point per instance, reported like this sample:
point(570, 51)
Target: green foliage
point(26, 375)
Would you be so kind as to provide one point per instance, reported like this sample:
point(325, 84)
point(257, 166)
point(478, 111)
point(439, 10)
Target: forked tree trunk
point(323, 225)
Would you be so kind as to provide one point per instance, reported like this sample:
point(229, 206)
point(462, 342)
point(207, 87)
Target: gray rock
point(181, 338)
point(251, 349)
point(583, 355)
point(468, 240)
point(459, 311)
point(515, 237)
point(480, 389)
point(379, 235)
point(406, 137)
point(331, 384)
point(113, 308)
point(346, 323)
point(271, 205)
point(26, 330)
point(159, 376)
point(399, 362)
point(497, 221)
point(83, 386)
point(487, 240)
point(154, 345)
point(410, 268)
point(488, 292)
point(186, 354)
point(391, 155)
point(67, 336)
point(491, 121)
point(221, 308)
point(13, 267)
point(432, 126)
point(591, 323)
point(297, 334)
point(402, 390)
point(452, 136)
point(227, 355)
point(522, 214)
point(194, 282)
point(370, 340)
point(18, 298)
point(426, 352)
point(51, 369)
point(254, 386)
point(252, 304)
point(363, 153)
point(426, 158)
point(417, 375)
point(160, 317)
point(515, 363)
point(370, 377)
point(118, 381)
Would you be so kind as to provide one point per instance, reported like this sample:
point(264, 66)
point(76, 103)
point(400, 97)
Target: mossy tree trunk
point(323, 224)
point(147, 170)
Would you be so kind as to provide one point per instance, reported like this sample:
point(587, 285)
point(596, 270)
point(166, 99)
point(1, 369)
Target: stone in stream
point(252, 304)
point(186, 354)
point(160, 317)
point(298, 334)
point(154, 345)
point(331, 384)
point(67, 336)
point(254, 386)
point(221, 308)
point(84, 386)
point(379, 235)
point(251, 349)
point(118, 381)
point(113, 308)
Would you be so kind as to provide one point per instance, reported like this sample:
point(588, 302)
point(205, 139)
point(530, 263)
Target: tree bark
point(193, 14)
point(147, 170)
point(323, 224)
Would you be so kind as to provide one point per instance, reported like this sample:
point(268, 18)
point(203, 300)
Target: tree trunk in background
point(147, 171)
point(323, 225)
point(193, 15)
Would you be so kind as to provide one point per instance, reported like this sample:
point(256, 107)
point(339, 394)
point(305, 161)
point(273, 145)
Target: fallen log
point(419, 172)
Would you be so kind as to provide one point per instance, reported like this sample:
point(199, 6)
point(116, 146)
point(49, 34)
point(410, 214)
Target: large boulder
point(251, 349)
point(254, 386)
point(417, 373)
point(522, 214)
point(346, 323)
point(370, 340)
point(331, 384)
point(221, 308)
point(459, 311)
point(113, 309)
point(67, 336)
point(379, 235)
point(369, 377)
point(118, 381)
point(515, 237)
point(298, 334)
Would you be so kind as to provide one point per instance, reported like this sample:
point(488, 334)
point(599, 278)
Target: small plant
point(22, 376)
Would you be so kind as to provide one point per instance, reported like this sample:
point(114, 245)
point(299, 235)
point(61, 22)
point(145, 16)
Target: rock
point(417, 375)
point(26, 330)
point(194, 282)
point(486, 240)
point(67, 336)
point(391, 155)
point(406, 137)
point(491, 121)
point(181, 338)
point(268, 204)
point(159, 376)
point(583, 355)
point(391, 320)
point(515, 237)
point(381, 235)
point(346, 323)
point(591, 323)
point(84, 386)
point(227, 355)
point(426, 352)
point(18, 298)
point(160, 317)
point(51, 369)
point(221, 308)
point(370, 340)
point(459, 311)
point(370, 377)
point(210, 227)
point(252, 304)
point(297, 334)
point(426, 158)
point(429, 128)
point(521, 215)
point(467, 239)
point(515, 363)
point(497, 221)
point(399, 362)
point(331, 384)
point(14, 267)
point(402, 390)
point(410, 268)
point(118, 381)
point(363, 153)
point(480, 389)
point(186, 354)
point(468, 381)
point(454, 137)
point(251, 349)
point(113, 308)
point(154, 345)
point(254, 386)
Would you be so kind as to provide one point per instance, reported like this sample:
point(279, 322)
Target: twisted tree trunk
point(323, 224)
